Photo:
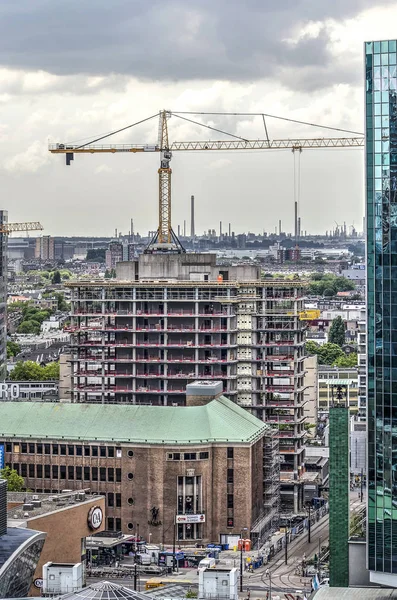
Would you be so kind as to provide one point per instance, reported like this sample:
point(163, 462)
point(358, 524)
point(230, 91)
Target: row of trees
point(13, 349)
point(327, 284)
point(331, 354)
point(29, 370)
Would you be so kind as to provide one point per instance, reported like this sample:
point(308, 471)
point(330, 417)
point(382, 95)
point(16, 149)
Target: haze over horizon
point(72, 70)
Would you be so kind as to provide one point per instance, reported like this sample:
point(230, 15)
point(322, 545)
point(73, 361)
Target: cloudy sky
point(72, 69)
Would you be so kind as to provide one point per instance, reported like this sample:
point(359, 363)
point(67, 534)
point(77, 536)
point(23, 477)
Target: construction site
point(172, 317)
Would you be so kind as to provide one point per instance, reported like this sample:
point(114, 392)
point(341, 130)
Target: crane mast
point(165, 239)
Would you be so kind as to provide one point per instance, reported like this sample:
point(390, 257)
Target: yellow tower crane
point(7, 228)
point(165, 239)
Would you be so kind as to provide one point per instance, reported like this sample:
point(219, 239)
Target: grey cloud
point(173, 40)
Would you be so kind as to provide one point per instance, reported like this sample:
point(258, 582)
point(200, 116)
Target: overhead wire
point(117, 131)
point(261, 114)
point(210, 127)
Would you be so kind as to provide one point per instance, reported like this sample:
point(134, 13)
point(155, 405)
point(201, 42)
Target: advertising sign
point(190, 519)
point(1, 456)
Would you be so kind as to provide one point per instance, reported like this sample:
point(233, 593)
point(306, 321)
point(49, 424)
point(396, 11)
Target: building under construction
point(170, 319)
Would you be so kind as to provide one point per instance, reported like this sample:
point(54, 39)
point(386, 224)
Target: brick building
point(204, 465)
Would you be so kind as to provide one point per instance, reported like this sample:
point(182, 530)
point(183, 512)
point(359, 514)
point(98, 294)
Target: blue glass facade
point(381, 206)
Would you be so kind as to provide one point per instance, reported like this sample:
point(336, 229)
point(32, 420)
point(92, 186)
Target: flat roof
point(351, 593)
point(218, 421)
point(50, 503)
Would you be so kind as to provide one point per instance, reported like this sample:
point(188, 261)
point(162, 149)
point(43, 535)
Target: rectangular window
point(204, 455)
point(118, 453)
point(118, 475)
point(79, 450)
point(111, 451)
point(47, 471)
point(110, 499)
point(230, 475)
point(47, 449)
point(86, 451)
point(230, 453)
point(55, 471)
point(62, 472)
point(94, 450)
point(16, 467)
point(39, 448)
point(79, 473)
point(110, 523)
point(102, 474)
point(24, 470)
point(63, 449)
point(118, 500)
point(230, 501)
point(176, 456)
point(55, 449)
point(102, 451)
point(71, 450)
point(189, 456)
point(39, 471)
point(94, 473)
point(110, 474)
point(24, 448)
point(86, 473)
point(9, 447)
point(118, 524)
point(70, 472)
point(31, 470)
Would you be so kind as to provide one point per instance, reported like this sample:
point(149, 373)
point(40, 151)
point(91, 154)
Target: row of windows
point(65, 450)
point(187, 456)
point(69, 472)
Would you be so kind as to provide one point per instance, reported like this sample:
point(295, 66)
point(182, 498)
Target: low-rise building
point(331, 377)
point(199, 466)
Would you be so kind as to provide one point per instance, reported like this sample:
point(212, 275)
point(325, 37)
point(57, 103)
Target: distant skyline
point(71, 70)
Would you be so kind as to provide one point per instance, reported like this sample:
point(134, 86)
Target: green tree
point(26, 371)
point(15, 483)
point(13, 349)
point(108, 274)
point(312, 348)
point(96, 255)
point(347, 360)
point(29, 327)
point(337, 330)
point(56, 278)
point(51, 371)
point(62, 305)
point(329, 353)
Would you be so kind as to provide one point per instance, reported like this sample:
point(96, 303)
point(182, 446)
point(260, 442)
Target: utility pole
point(361, 485)
point(308, 528)
point(319, 558)
point(173, 546)
point(135, 576)
point(241, 558)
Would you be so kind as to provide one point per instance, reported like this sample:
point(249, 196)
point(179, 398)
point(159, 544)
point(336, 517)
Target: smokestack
point(220, 228)
point(132, 231)
point(296, 221)
point(279, 227)
point(192, 234)
point(299, 227)
point(179, 231)
point(115, 233)
point(230, 229)
point(184, 228)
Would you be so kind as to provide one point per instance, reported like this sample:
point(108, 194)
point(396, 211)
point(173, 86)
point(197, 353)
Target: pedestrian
point(267, 573)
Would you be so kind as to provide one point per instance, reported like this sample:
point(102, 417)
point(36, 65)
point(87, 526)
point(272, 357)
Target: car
point(324, 582)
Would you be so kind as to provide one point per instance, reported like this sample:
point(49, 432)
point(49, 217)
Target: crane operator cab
point(166, 156)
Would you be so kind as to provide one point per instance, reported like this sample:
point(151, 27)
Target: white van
point(207, 563)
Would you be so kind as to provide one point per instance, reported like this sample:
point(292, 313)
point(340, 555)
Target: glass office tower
point(381, 204)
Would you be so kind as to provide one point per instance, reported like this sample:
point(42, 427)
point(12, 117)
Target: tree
point(15, 483)
point(62, 305)
point(29, 327)
point(13, 349)
point(327, 353)
point(51, 371)
point(56, 278)
point(347, 360)
point(312, 348)
point(336, 333)
point(27, 371)
point(107, 274)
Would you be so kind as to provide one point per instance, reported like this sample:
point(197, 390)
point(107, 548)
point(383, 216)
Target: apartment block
point(45, 248)
point(168, 320)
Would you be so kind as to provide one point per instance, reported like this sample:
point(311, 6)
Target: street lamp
point(286, 540)
point(241, 557)
point(309, 506)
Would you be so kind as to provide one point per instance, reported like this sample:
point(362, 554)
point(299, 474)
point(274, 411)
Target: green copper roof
point(218, 421)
